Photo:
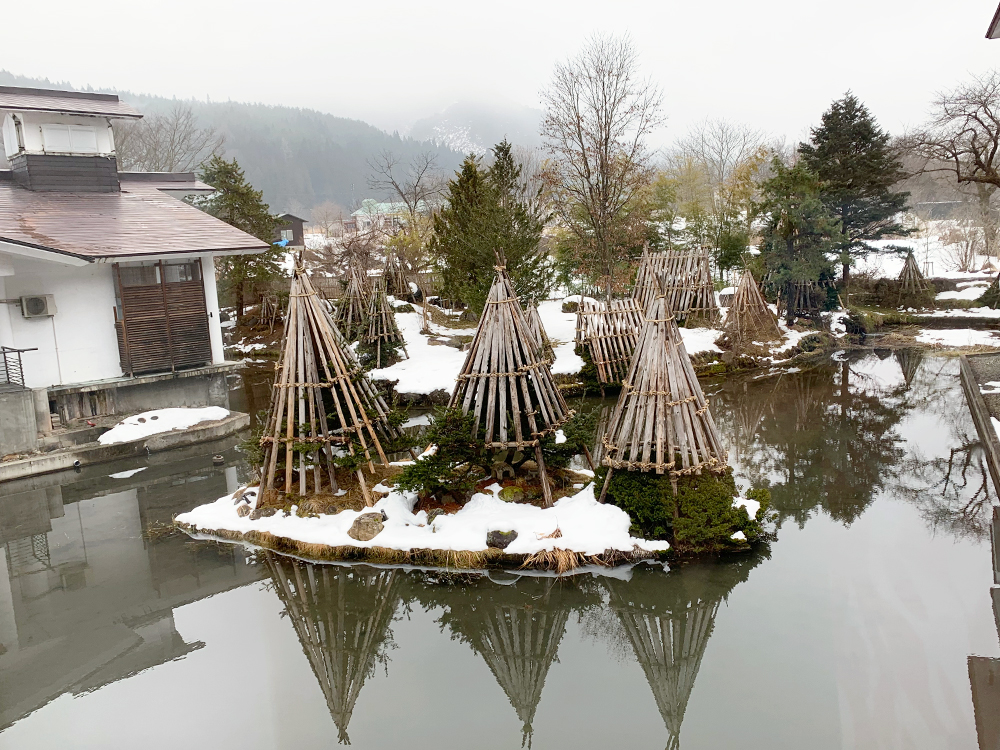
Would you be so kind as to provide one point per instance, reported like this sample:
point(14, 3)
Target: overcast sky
point(775, 64)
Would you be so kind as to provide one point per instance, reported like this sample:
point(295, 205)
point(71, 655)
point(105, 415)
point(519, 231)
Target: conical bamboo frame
point(394, 276)
point(534, 321)
point(749, 318)
point(505, 384)
point(662, 422)
point(911, 281)
point(352, 307)
point(341, 617)
point(686, 276)
point(382, 326)
point(318, 381)
point(609, 330)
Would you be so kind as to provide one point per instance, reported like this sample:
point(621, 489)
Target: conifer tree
point(237, 203)
point(851, 156)
point(487, 211)
point(798, 233)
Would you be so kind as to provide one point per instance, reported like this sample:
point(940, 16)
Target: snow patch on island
point(157, 421)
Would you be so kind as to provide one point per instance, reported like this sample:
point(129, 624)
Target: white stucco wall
point(34, 128)
point(78, 343)
point(212, 303)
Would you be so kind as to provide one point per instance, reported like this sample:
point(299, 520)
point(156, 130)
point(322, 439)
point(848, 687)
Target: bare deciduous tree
point(598, 115)
point(328, 217)
point(165, 143)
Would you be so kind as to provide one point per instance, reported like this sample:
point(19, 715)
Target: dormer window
point(64, 138)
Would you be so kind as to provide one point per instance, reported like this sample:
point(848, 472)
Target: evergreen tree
point(487, 210)
point(850, 154)
point(798, 233)
point(237, 203)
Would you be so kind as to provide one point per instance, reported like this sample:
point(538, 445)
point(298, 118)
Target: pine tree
point(797, 235)
point(237, 203)
point(487, 211)
point(851, 155)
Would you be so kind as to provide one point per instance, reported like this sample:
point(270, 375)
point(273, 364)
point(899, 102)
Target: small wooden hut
point(911, 281)
point(686, 276)
point(505, 382)
point(321, 401)
point(749, 318)
point(382, 329)
point(662, 422)
point(341, 617)
point(352, 307)
point(609, 331)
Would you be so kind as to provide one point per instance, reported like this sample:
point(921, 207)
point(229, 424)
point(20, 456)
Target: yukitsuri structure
point(686, 276)
point(750, 319)
point(909, 361)
point(352, 307)
point(911, 281)
point(609, 331)
point(668, 620)
point(801, 298)
point(383, 333)
point(341, 617)
point(505, 382)
point(662, 422)
point(394, 276)
point(320, 399)
point(534, 321)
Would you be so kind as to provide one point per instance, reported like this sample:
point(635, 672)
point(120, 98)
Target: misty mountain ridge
point(301, 158)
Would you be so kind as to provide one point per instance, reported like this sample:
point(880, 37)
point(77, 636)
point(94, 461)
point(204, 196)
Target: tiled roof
point(69, 102)
point(140, 220)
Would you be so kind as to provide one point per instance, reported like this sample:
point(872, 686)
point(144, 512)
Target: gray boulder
point(500, 539)
point(512, 494)
point(262, 513)
point(366, 527)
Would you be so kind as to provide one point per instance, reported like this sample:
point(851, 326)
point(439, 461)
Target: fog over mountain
point(470, 127)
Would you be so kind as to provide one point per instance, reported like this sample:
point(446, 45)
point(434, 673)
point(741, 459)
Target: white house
point(108, 298)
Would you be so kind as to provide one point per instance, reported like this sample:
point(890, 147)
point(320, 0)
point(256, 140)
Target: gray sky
point(775, 64)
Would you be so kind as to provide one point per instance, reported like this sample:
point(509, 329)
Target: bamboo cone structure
point(749, 318)
point(341, 617)
point(395, 277)
point(320, 399)
point(662, 422)
point(686, 276)
point(534, 321)
point(803, 296)
point(382, 326)
point(609, 330)
point(911, 281)
point(909, 361)
point(352, 307)
point(506, 384)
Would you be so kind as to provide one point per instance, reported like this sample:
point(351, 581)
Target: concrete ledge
point(980, 411)
point(95, 453)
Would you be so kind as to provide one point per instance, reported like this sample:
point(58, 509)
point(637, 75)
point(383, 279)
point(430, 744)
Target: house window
point(175, 273)
point(288, 234)
point(57, 138)
point(140, 275)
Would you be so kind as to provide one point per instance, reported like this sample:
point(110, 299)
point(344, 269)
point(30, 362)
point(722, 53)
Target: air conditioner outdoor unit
point(38, 306)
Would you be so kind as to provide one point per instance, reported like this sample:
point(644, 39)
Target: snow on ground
point(972, 291)
point(429, 368)
point(560, 327)
point(996, 425)
point(991, 388)
point(697, 340)
point(160, 420)
point(586, 525)
point(246, 348)
point(959, 337)
point(567, 361)
point(972, 312)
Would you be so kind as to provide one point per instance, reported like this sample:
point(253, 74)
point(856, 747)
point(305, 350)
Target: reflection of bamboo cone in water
point(669, 645)
point(909, 361)
point(341, 617)
point(518, 645)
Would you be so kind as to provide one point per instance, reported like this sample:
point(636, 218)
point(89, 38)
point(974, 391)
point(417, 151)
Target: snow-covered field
point(959, 337)
point(160, 420)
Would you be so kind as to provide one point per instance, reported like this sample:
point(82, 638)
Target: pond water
point(868, 623)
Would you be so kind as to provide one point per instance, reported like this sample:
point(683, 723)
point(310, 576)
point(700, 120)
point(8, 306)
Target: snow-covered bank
point(961, 337)
point(160, 420)
point(429, 367)
point(577, 524)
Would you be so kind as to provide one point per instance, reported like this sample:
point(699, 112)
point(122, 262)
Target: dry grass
point(328, 502)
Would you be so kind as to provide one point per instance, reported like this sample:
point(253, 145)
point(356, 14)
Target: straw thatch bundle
point(352, 307)
point(320, 399)
point(911, 281)
point(506, 384)
point(662, 422)
point(686, 276)
point(382, 328)
point(609, 331)
point(749, 317)
point(341, 617)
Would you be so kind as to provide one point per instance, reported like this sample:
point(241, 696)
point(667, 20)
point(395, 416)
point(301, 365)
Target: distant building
point(388, 216)
point(291, 230)
point(108, 299)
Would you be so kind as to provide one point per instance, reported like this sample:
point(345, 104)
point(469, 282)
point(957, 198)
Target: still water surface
point(868, 623)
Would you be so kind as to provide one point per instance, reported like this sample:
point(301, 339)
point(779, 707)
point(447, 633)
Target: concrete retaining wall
point(18, 426)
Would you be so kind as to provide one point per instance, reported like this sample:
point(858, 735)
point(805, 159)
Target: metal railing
point(11, 367)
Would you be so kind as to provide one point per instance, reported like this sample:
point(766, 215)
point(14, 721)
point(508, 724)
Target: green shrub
point(570, 307)
point(580, 430)
point(456, 465)
point(368, 354)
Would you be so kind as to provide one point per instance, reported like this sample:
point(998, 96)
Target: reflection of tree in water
point(515, 628)
point(668, 620)
point(341, 616)
point(826, 437)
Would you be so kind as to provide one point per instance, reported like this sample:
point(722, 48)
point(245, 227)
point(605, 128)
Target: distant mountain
point(300, 158)
point(469, 127)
